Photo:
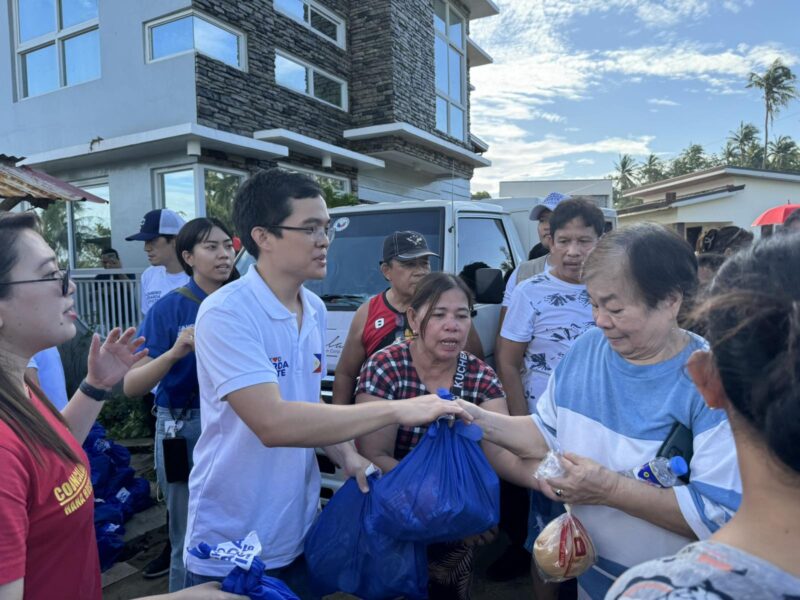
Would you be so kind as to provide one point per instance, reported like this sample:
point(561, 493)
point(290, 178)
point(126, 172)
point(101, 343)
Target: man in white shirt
point(547, 313)
point(158, 230)
point(260, 348)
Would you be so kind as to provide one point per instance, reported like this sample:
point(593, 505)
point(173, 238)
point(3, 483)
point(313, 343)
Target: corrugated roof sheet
point(24, 183)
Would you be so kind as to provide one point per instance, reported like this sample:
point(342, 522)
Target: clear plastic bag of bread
point(563, 549)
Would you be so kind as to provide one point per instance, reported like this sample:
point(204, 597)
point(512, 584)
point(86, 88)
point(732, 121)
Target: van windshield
point(354, 255)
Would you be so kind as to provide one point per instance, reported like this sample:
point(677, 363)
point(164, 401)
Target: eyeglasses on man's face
point(62, 276)
point(317, 232)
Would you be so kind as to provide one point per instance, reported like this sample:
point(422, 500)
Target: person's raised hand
point(110, 361)
point(423, 410)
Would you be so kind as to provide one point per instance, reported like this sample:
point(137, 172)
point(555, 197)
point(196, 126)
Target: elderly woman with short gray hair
point(615, 398)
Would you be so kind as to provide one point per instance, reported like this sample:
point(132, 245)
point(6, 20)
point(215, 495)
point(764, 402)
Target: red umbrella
point(775, 215)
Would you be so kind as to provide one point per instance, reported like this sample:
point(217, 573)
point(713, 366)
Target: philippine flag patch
point(317, 363)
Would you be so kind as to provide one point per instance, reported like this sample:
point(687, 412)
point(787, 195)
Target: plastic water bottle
point(661, 471)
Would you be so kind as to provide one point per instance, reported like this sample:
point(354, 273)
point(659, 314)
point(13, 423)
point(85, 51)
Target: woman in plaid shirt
point(440, 318)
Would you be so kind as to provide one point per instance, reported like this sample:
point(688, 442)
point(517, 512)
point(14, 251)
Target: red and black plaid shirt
point(390, 374)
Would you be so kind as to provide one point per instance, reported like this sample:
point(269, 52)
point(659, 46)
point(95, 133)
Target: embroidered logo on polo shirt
point(317, 363)
point(280, 365)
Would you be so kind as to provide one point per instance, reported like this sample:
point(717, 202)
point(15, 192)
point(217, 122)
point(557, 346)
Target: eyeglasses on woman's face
point(62, 276)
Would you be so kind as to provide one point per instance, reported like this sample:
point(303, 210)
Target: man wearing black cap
point(382, 319)
point(158, 230)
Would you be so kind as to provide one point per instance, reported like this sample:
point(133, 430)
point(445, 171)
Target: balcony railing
point(108, 298)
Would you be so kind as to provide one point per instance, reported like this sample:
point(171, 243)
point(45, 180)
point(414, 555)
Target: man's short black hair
point(793, 218)
point(574, 207)
point(107, 251)
point(263, 201)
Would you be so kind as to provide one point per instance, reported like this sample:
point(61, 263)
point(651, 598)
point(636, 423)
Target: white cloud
point(662, 102)
point(585, 161)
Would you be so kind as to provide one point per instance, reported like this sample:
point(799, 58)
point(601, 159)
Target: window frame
point(198, 173)
point(341, 25)
point(462, 51)
point(56, 38)
point(310, 70)
point(192, 12)
point(307, 171)
point(476, 217)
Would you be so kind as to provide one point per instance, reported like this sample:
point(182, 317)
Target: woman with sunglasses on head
point(205, 251)
point(47, 539)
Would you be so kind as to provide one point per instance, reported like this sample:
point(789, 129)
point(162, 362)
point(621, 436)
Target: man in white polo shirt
point(260, 347)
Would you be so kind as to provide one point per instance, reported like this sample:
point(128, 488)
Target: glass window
point(220, 189)
point(36, 18)
point(482, 243)
point(91, 226)
point(216, 42)
point(82, 57)
point(441, 114)
point(440, 58)
point(456, 29)
point(54, 229)
point(440, 15)
point(327, 89)
point(177, 192)
point(291, 74)
point(40, 71)
point(292, 8)
point(74, 12)
point(193, 32)
point(449, 69)
point(315, 17)
point(171, 37)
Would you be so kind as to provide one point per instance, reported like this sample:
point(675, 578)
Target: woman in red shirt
point(47, 540)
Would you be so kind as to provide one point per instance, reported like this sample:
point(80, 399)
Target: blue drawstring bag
point(345, 554)
point(247, 577)
point(444, 490)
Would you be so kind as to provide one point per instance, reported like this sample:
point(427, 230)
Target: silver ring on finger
point(559, 492)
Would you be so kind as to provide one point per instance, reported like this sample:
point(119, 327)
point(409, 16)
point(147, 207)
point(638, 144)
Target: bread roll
point(563, 549)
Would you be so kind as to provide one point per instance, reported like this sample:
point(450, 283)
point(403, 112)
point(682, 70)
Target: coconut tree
point(741, 141)
point(626, 172)
point(652, 170)
point(784, 155)
point(777, 88)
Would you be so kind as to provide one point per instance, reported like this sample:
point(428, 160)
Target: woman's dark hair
point(751, 319)
point(430, 289)
point(712, 261)
point(16, 409)
point(575, 207)
point(658, 261)
point(263, 201)
point(196, 232)
point(794, 217)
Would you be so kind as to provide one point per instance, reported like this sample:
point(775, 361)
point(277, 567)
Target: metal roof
point(40, 189)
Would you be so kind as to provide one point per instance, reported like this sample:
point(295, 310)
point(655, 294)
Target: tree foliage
point(777, 89)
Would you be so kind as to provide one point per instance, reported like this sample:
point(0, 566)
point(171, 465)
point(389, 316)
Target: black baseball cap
point(161, 221)
point(405, 245)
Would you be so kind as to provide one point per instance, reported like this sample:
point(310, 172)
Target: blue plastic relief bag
point(444, 490)
point(247, 577)
point(345, 554)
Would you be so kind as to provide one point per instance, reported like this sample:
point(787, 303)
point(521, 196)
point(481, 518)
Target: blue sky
point(575, 83)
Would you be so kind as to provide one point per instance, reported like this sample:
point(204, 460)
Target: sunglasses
point(63, 277)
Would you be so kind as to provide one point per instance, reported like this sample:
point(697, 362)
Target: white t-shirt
point(51, 376)
point(511, 284)
point(549, 314)
point(245, 337)
point(156, 282)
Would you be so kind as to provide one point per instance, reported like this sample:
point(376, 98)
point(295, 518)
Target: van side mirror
point(489, 286)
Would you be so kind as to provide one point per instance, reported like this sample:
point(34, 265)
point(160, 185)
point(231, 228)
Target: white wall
point(149, 96)
point(569, 187)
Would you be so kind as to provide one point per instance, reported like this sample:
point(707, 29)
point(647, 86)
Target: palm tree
point(784, 155)
point(652, 169)
point(741, 140)
point(777, 86)
point(626, 172)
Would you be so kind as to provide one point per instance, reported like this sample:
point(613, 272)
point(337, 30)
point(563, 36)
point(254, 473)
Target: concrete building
point(174, 103)
point(601, 190)
point(711, 198)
